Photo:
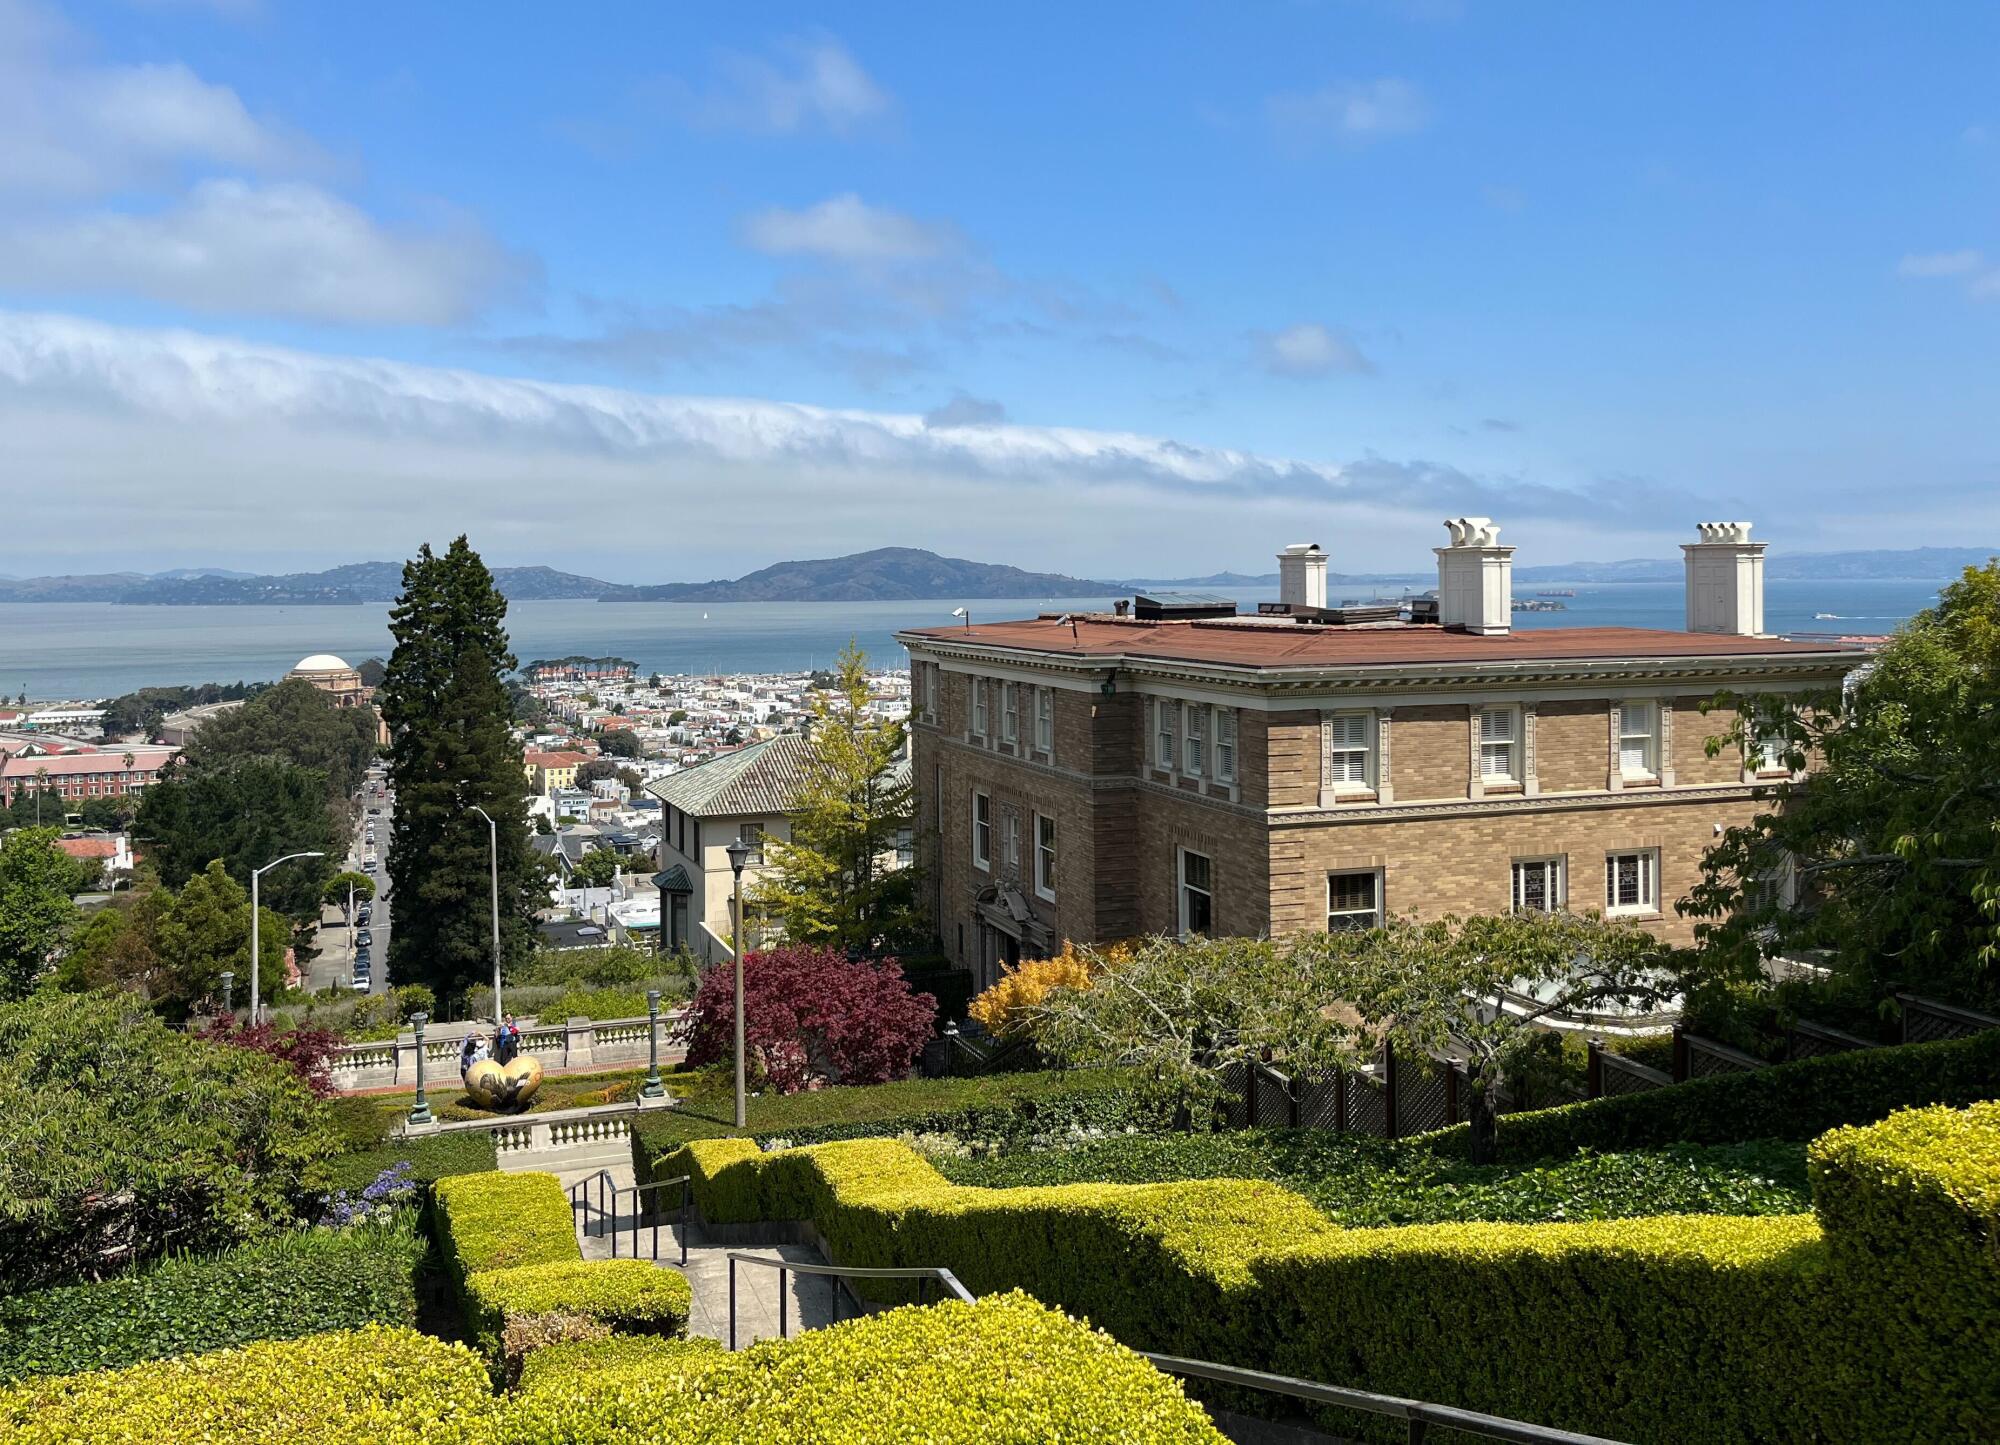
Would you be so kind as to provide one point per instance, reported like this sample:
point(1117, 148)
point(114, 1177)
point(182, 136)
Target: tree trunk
point(1485, 1139)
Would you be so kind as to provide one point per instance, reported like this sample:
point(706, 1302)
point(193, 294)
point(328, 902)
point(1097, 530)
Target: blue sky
point(661, 291)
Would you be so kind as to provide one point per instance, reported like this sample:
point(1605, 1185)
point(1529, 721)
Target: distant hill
point(885, 574)
point(352, 584)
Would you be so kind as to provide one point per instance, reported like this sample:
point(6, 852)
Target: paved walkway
point(809, 1302)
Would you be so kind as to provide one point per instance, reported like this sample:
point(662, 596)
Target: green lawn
point(1361, 1182)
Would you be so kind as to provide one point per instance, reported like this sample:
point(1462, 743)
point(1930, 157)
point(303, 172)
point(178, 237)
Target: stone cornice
point(1701, 673)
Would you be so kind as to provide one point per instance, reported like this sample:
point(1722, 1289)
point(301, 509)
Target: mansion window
point(751, 836)
point(1225, 745)
point(1538, 885)
point(1163, 733)
point(1010, 712)
point(1197, 893)
point(1045, 720)
point(1353, 902)
point(982, 831)
point(1768, 749)
point(1045, 856)
point(1349, 758)
point(1638, 739)
point(1632, 882)
point(1500, 745)
point(930, 690)
point(978, 685)
point(1010, 843)
point(1197, 739)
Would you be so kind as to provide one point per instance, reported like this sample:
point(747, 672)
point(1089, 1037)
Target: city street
point(335, 964)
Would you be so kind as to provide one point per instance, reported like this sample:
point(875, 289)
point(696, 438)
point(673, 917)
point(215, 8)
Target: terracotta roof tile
point(1292, 645)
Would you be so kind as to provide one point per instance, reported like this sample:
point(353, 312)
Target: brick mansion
point(1175, 767)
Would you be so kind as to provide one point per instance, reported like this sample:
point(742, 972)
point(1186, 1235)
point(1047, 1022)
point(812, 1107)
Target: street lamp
point(493, 835)
point(256, 878)
point(739, 854)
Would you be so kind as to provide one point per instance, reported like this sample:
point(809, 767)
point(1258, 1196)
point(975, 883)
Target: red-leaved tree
point(811, 1013)
point(308, 1051)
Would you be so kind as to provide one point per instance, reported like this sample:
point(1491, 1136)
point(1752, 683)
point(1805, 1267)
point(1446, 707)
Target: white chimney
point(1302, 575)
point(1725, 580)
point(1475, 578)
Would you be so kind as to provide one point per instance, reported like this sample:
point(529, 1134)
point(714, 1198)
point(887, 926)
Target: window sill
point(1340, 796)
point(982, 867)
point(1490, 786)
point(1635, 915)
point(1046, 897)
point(1640, 780)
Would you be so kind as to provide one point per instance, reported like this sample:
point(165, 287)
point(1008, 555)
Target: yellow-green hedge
point(376, 1386)
point(1912, 1210)
point(498, 1221)
point(627, 1296)
point(1666, 1328)
point(1004, 1371)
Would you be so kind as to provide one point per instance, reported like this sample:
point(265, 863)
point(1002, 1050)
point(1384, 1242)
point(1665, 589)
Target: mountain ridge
point(882, 574)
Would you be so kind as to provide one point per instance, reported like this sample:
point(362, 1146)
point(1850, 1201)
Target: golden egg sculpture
point(508, 1086)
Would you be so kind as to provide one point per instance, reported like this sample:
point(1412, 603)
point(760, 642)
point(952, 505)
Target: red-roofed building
point(551, 772)
point(111, 851)
point(78, 776)
point(1182, 769)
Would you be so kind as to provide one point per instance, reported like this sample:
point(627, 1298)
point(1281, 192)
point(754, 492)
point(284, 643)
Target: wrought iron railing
point(645, 1211)
point(836, 1274)
point(1420, 1417)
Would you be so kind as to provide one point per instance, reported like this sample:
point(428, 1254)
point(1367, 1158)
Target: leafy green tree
point(619, 744)
point(1479, 985)
point(1178, 1013)
point(32, 803)
point(447, 704)
point(342, 886)
point(205, 930)
point(108, 815)
point(597, 868)
point(827, 883)
point(245, 813)
point(37, 916)
point(294, 721)
point(1887, 853)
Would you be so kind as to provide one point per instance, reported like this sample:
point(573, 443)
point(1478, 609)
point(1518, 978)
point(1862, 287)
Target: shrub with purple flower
point(390, 1191)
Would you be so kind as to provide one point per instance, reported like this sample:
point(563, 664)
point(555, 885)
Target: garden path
point(809, 1303)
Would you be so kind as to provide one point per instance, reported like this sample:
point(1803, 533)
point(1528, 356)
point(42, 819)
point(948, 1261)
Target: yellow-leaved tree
point(1007, 1008)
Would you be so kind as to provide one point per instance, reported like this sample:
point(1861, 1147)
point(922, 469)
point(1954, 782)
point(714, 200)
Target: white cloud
point(1941, 263)
point(964, 409)
point(1353, 112)
point(1980, 275)
point(846, 228)
point(288, 249)
point(171, 430)
point(69, 128)
point(816, 84)
point(1308, 349)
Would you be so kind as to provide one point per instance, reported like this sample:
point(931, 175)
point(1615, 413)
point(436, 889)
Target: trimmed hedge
point(432, 1158)
point(1006, 1108)
point(389, 1386)
point(509, 1241)
point(1669, 1328)
point(1005, 1369)
point(499, 1221)
point(1912, 1205)
point(623, 1296)
point(296, 1284)
point(1786, 1101)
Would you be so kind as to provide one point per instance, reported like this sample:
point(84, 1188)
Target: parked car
point(362, 918)
point(374, 810)
point(364, 938)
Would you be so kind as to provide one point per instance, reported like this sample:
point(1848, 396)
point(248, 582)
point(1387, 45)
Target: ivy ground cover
point(1362, 1182)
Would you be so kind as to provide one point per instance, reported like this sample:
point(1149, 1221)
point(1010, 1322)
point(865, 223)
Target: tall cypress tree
point(446, 703)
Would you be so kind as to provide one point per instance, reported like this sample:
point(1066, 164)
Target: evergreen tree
point(827, 884)
point(446, 702)
point(246, 811)
point(205, 930)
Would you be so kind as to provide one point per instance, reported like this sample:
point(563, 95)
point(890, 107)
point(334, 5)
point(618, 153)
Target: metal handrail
point(602, 1179)
point(836, 1273)
point(1418, 1414)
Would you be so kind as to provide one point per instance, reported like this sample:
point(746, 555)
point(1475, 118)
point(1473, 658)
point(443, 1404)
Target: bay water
point(65, 650)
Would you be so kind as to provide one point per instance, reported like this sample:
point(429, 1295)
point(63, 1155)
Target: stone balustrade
point(576, 1044)
point(564, 1139)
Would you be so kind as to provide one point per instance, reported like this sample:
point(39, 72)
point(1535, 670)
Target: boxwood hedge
point(1667, 1328)
point(388, 1386)
point(1786, 1101)
point(1004, 1369)
point(297, 1284)
point(498, 1221)
point(624, 1296)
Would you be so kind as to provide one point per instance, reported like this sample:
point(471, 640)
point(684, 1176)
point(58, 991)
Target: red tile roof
point(89, 847)
point(1247, 643)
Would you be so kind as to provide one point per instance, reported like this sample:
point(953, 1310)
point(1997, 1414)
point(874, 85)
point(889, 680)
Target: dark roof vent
point(1181, 606)
point(1348, 614)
